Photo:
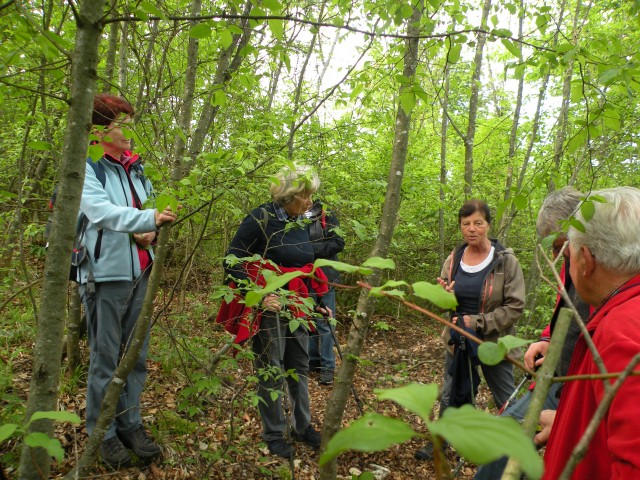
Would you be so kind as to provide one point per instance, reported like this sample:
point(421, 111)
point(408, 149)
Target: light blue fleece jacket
point(110, 209)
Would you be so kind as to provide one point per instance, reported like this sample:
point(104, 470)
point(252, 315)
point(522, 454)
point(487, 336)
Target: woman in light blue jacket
point(114, 274)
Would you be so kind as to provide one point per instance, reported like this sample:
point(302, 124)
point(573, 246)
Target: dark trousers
point(279, 350)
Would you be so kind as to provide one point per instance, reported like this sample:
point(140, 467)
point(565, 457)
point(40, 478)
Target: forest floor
point(210, 429)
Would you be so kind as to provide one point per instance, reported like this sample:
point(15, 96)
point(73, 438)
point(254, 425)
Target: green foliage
point(38, 439)
point(493, 353)
point(477, 436)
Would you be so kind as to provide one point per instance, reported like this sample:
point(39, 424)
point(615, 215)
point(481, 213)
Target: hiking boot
point(426, 453)
point(326, 377)
point(141, 443)
point(280, 448)
point(114, 453)
point(310, 437)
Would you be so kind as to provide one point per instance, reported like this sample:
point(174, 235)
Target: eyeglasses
point(476, 224)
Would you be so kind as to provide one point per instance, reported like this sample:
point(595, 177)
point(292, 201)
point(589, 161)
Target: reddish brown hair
point(108, 107)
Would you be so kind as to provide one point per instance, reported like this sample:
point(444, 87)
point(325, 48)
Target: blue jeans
point(321, 342)
point(495, 469)
point(112, 313)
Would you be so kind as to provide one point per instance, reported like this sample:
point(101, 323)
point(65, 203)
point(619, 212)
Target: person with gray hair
point(605, 268)
point(274, 238)
point(558, 207)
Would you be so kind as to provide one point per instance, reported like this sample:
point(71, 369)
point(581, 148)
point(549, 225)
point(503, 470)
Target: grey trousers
point(499, 379)
point(112, 312)
point(270, 366)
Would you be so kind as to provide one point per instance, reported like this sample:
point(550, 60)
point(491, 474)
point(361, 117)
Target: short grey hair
point(613, 233)
point(300, 180)
point(560, 205)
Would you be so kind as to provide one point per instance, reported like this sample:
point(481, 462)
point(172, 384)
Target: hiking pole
point(506, 404)
point(353, 390)
point(285, 393)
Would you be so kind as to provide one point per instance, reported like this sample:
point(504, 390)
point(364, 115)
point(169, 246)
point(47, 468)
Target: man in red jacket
point(605, 268)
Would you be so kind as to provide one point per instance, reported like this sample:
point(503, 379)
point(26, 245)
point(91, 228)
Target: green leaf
point(588, 210)
point(454, 53)
point(371, 433)
point(200, 30)
point(42, 440)
point(520, 201)
point(548, 241)
point(341, 267)
point(407, 101)
point(226, 38)
point(95, 152)
point(513, 48)
point(435, 294)
point(577, 224)
point(60, 416)
point(491, 353)
point(274, 282)
point(414, 397)
point(510, 342)
point(163, 201)
point(272, 5)
point(381, 263)
point(482, 438)
point(219, 98)
point(277, 28)
point(7, 430)
point(40, 145)
point(151, 8)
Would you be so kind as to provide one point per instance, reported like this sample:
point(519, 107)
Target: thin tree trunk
point(534, 129)
point(473, 103)
point(110, 62)
point(366, 304)
point(184, 124)
point(122, 54)
point(35, 463)
point(224, 70)
point(444, 129)
point(505, 220)
point(298, 92)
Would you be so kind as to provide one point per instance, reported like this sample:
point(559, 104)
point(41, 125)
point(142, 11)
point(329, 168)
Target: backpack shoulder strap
point(98, 169)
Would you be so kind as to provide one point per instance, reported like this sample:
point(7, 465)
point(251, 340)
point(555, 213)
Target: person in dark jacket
point(327, 244)
point(275, 237)
point(489, 286)
point(114, 275)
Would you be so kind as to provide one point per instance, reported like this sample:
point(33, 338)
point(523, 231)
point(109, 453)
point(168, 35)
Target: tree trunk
point(505, 220)
point(184, 124)
point(534, 132)
point(35, 463)
point(224, 70)
point(366, 304)
point(444, 129)
point(298, 92)
point(473, 103)
point(112, 49)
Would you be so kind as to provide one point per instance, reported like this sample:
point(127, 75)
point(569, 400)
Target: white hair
point(613, 233)
point(290, 182)
point(557, 207)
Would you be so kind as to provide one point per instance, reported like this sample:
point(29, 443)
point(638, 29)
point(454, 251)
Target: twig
point(446, 323)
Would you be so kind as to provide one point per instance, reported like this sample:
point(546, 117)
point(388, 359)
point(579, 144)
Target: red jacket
point(236, 316)
point(614, 452)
